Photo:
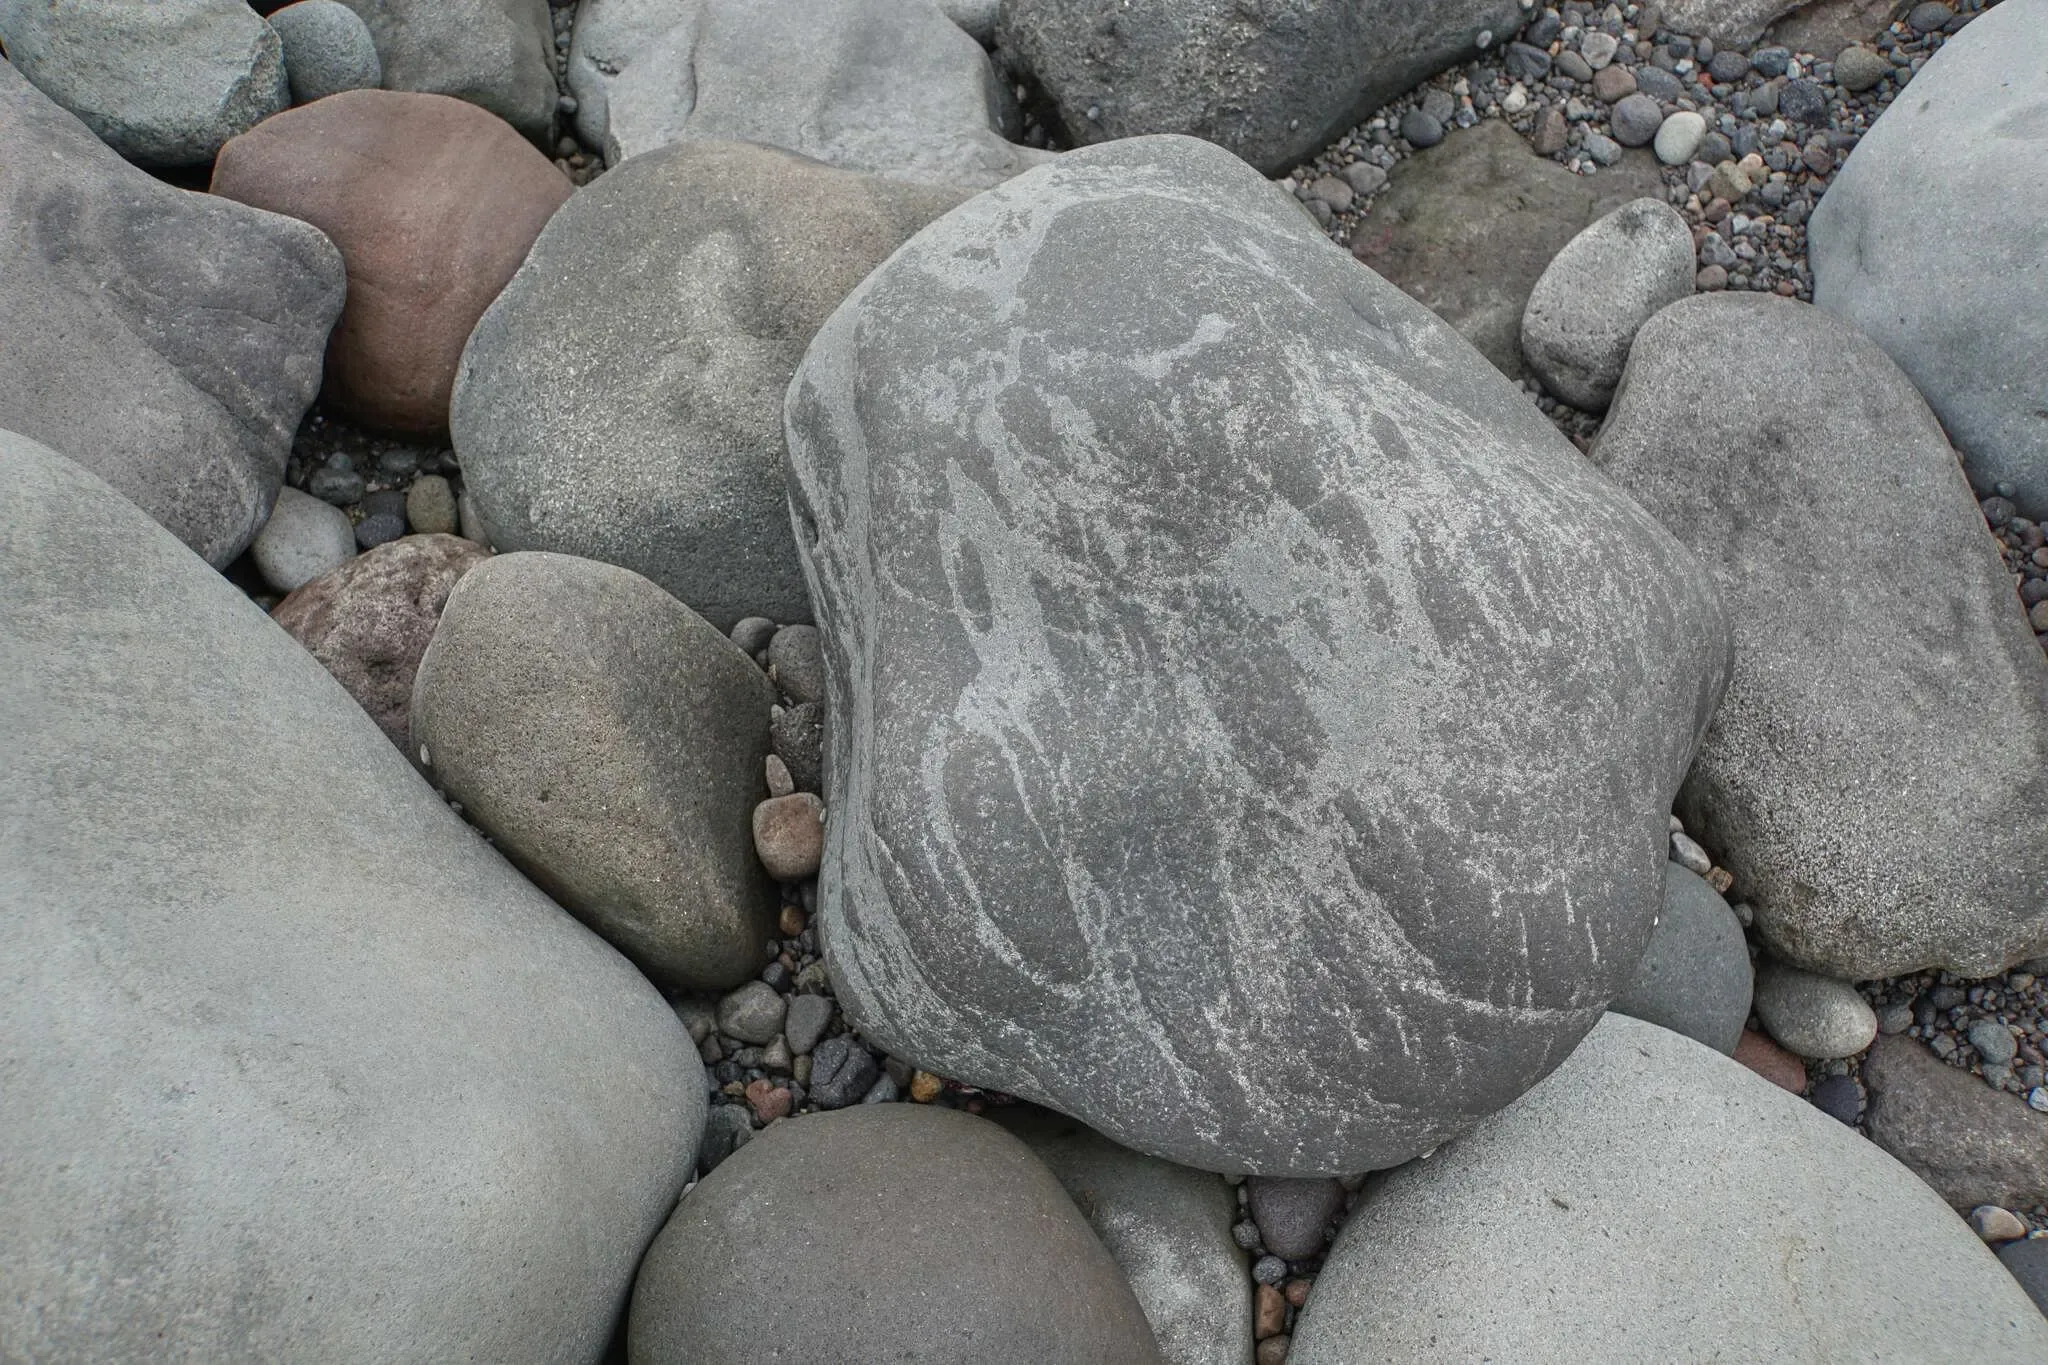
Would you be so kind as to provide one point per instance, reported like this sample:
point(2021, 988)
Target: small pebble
point(1995, 1224)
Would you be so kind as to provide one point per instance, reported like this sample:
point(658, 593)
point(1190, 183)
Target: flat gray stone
point(1973, 1144)
point(1730, 23)
point(496, 54)
point(303, 539)
point(1695, 979)
point(808, 1018)
point(752, 1014)
point(1812, 1016)
point(1597, 293)
point(327, 49)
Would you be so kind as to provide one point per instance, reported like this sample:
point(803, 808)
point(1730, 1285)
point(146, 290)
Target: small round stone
point(1420, 129)
point(752, 1014)
point(797, 661)
point(1929, 17)
point(327, 49)
point(1839, 1099)
point(789, 836)
point(1995, 1224)
point(1269, 1270)
point(1728, 66)
point(1858, 69)
point(1636, 120)
point(1803, 102)
point(1679, 137)
point(303, 539)
point(430, 506)
point(1813, 1016)
point(1993, 1041)
point(383, 519)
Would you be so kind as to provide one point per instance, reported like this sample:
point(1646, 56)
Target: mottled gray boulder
point(610, 741)
point(1654, 1200)
point(168, 341)
point(888, 86)
point(1730, 23)
point(299, 1066)
point(1695, 979)
point(977, 18)
point(1973, 1144)
point(1964, 160)
point(1190, 522)
point(497, 54)
point(163, 84)
point(1274, 83)
point(327, 49)
point(622, 398)
point(1889, 710)
point(1596, 294)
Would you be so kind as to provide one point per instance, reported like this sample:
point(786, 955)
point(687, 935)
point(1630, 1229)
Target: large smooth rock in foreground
point(1654, 1200)
point(1596, 294)
point(1695, 978)
point(295, 1065)
point(1889, 710)
point(167, 341)
point(1123, 468)
point(622, 399)
point(1965, 159)
point(883, 1232)
point(1973, 1144)
point(495, 54)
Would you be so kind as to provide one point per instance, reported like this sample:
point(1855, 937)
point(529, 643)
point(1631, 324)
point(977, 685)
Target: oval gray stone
point(303, 539)
point(1695, 979)
point(327, 49)
point(495, 54)
point(1812, 1016)
point(1597, 293)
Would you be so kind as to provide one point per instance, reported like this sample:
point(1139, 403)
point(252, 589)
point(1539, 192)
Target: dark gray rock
point(1839, 1099)
point(327, 49)
point(1803, 101)
point(809, 1016)
point(1636, 119)
point(1695, 978)
point(797, 661)
point(2028, 1262)
point(1180, 559)
point(1293, 1215)
point(1973, 1144)
point(496, 54)
point(841, 1072)
point(798, 736)
point(1421, 129)
point(1596, 294)
point(727, 1128)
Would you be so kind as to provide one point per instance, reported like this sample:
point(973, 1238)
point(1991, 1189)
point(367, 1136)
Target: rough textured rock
point(327, 49)
point(1168, 535)
point(494, 54)
point(1831, 25)
point(622, 398)
point(1889, 710)
point(168, 342)
point(1973, 1144)
point(610, 741)
point(1653, 1200)
point(891, 1231)
point(299, 1060)
point(303, 539)
point(433, 203)
point(1964, 159)
point(1730, 23)
point(1695, 978)
point(1596, 294)
point(1274, 83)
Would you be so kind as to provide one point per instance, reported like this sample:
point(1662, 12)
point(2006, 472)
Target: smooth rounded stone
point(1657, 84)
point(1858, 69)
point(1612, 84)
point(610, 742)
point(163, 84)
point(1167, 1228)
point(1973, 1144)
point(303, 539)
point(752, 634)
point(1994, 1224)
point(433, 203)
point(495, 54)
point(808, 1018)
point(1592, 299)
point(1803, 101)
point(789, 836)
point(622, 399)
point(1860, 780)
point(430, 504)
point(1695, 978)
point(752, 1014)
point(303, 1060)
point(1636, 120)
point(1964, 160)
point(1728, 66)
point(383, 519)
point(1929, 17)
point(1293, 1216)
point(796, 662)
point(369, 621)
point(1652, 1200)
point(327, 49)
point(2028, 1262)
point(892, 1231)
point(1727, 23)
point(1571, 65)
point(1421, 129)
point(727, 1128)
point(1812, 1016)
point(1364, 178)
point(1603, 149)
point(1679, 136)
point(1839, 1099)
point(1993, 1042)
point(1178, 560)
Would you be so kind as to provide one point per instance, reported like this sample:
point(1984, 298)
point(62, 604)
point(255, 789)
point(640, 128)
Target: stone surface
point(1652, 1200)
point(430, 506)
point(622, 398)
point(1695, 977)
point(977, 18)
point(1859, 68)
point(789, 836)
point(490, 53)
point(433, 203)
point(1293, 1216)
point(1971, 1143)
point(1179, 557)
point(610, 742)
point(1729, 23)
point(298, 1060)
point(2028, 1262)
point(327, 49)
point(753, 1014)
point(1770, 1061)
point(1593, 298)
point(303, 539)
point(1812, 1016)
point(884, 1231)
point(1995, 1224)
point(1823, 26)
point(808, 1018)
point(1889, 709)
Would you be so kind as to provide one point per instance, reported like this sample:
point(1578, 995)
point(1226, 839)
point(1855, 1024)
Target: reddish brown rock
point(1269, 1313)
point(769, 1101)
point(434, 204)
point(1771, 1062)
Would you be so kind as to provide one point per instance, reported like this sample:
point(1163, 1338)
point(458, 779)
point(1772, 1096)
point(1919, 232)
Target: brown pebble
point(1272, 1351)
point(925, 1087)
point(1771, 1062)
point(1720, 878)
point(1269, 1316)
point(1297, 1292)
point(789, 835)
point(793, 921)
point(769, 1102)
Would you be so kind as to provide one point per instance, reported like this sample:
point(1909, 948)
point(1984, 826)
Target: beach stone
point(1995, 1224)
point(1294, 1215)
point(809, 1016)
point(789, 836)
point(1613, 84)
point(1812, 1016)
point(1973, 1144)
point(327, 49)
point(304, 1060)
point(430, 506)
point(494, 54)
point(1679, 136)
point(2028, 1262)
point(622, 398)
point(1695, 978)
point(610, 741)
point(1859, 781)
point(1636, 120)
point(1824, 26)
point(727, 1128)
point(1592, 299)
point(433, 203)
point(796, 659)
point(303, 539)
point(1212, 615)
point(1858, 69)
point(1771, 1062)
point(1839, 1099)
point(1727, 23)
point(752, 1014)
point(1652, 1200)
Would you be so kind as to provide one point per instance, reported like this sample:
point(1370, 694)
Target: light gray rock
point(327, 49)
point(1196, 528)
point(1964, 160)
point(1654, 1200)
point(303, 539)
point(1594, 297)
point(299, 1062)
point(1730, 23)
point(752, 1014)
point(1696, 978)
point(170, 342)
point(622, 398)
point(610, 741)
point(1973, 1144)
point(1812, 1016)
point(1889, 709)
point(796, 659)
point(1678, 137)
point(807, 1019)
point(493, 53)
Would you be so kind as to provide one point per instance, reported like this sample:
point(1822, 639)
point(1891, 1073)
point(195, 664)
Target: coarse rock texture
point(610, 741)
point(1695, 979)
point(622, 398)
point(327, 49)
point(163, 84)
point(433, 203)
point(1596, 294)
point(1173, 534)
point(1972, 1144)
point(1889, 710)
point(1271, 83)
point(888, 86)
point(495, 54)
point(1468, 227)
point(1729, 23)
point(1293, 1216)
point(1964, 158)
point(890, 1231)
point(303, 539)
point(1828, 26)
point(168, 342)
point(294, 1062)
point(1653, 1200)
point(1813, 1016)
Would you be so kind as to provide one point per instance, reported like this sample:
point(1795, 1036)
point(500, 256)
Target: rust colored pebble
point(794, 921)
point(925, 1087)
point(1269, 1316)
point(1272, 1351)
point(1297, 1292)
point(769, 1102)
point(1771, 1062)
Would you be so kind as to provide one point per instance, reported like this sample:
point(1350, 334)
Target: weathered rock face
point(491, 53)
point(298, 1062)
point(1973, 1144)
point(167, 341)
point(1596, 294)
point(1274, 83)
point(1964, 160)
point(622, 399)
point(1190, 521)
point(1730, 23)
point(1889, 709)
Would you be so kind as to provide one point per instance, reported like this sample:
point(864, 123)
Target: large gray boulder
point(1124, 469)
point(1965, 160)
point(622, 398)
point(888, 86)
point(295, 1065)
point(1889, 710)
point(1274, 83)
point(497, 54)
point(1654, 1200)
point(1596, 294)
point(168, 341)
point(1695, 978)
point(1972, 1144)
point(1730, 23)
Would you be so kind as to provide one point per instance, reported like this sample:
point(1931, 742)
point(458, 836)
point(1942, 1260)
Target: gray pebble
point(1727, 67)
point(327, 49)
point(727, 1128)
point(1420, 129)
point(1636, 120)
point(1572, 65)
point(752, 634)
point(882, 1091)
point(841, 1072)
point(806, 1021)
point(752, 1014)
point(1770, 61)
point(1838, 1098)
point(430, 506)
point(1804, 102)
point(383, 519)
point(1993, 1041)
point(797, 661)
point(1269, 1270)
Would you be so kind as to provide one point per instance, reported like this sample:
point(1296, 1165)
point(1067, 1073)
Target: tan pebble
point(1272, 1351)
point(793, 921)
point(1296, 1292)
point(789, 836)
point(1720, 878)
point(1771, 1062)
point(1995, 1224)
point(925, 1087)
point(1269, 1314)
